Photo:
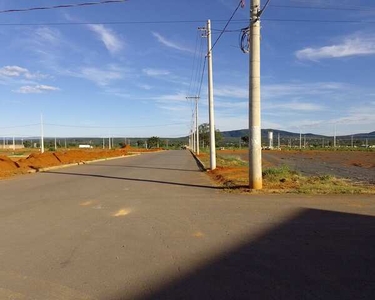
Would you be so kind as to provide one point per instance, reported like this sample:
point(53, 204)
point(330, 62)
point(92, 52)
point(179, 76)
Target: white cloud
point(232, 92)
point(155, 72)
point(16, 71)
point(178, 97)
point(298, 106)
point(353, 45)
point(111, 41)
point(47, 35)
point(145, 87)
point(281, 90)
point(170, 44)
point(101, 77)
point(37, 89)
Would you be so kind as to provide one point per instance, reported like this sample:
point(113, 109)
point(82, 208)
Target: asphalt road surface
point(155, 227)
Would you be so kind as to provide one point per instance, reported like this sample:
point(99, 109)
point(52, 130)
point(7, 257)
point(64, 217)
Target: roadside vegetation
point(232, 173)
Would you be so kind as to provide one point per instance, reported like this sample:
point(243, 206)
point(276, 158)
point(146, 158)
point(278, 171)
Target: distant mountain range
point(288, 134)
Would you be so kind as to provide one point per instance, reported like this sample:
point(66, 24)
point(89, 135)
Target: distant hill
point(283, 134)
point(287, 134)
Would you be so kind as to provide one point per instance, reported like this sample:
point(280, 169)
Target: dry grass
point(232, 172)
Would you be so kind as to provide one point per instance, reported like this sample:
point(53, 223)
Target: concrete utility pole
point(255, 139)
point(41, 134)
point(334, 138)
point(55, 144)
point(196, 148)
point(211, 99)
point(14, 144)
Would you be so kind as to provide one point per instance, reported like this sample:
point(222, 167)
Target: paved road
point(155, 227)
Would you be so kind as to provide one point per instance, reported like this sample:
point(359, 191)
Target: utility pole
point(55, 144)
point(211, 98)
point(14, 144)
point(334, 138)
point(196, 148)
point(300, 139)
point(255, 139)
point(109, 142)
point(41, 134)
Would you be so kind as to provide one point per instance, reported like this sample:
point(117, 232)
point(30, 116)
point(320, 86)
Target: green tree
point(153, 142)
point(140, 143)
point(204, 134)
point(245, 139)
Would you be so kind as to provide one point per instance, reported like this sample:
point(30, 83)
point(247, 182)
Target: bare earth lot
point(358, 166)
point(30, 161)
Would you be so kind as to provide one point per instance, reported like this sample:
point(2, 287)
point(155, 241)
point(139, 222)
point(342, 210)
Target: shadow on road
point(314, 255)
point(139, 180)
point(142, 167)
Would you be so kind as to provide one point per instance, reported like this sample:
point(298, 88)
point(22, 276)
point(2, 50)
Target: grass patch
point(232, 173)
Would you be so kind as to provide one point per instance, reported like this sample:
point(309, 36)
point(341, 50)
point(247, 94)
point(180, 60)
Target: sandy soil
point(358, 166)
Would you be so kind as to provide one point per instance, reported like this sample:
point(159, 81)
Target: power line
point(203, 69)
point(112, 127)
point(358, 8)
point(240, 3)
point(20, 126)
point(184, 21)
point(319, 21)
point(61, 6)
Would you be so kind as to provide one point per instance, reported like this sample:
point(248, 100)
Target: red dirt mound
point(6, 164)
point(39, 160)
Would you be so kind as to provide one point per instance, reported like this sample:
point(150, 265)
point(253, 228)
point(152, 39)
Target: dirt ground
point(11, 165)
point(358, 166)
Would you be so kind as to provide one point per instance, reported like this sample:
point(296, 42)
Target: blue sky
point(132, 79)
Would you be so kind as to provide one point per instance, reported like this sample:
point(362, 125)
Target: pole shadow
point(141, 167)
point(138, 180)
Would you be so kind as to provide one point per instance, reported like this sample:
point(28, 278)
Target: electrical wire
point(20, 126)
point(61, 6)
point(354, 8)
point(240, 3)
point(321, 21)
point(203, 69)
point(244, 38)
point(185, 21)
point(113, 127)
